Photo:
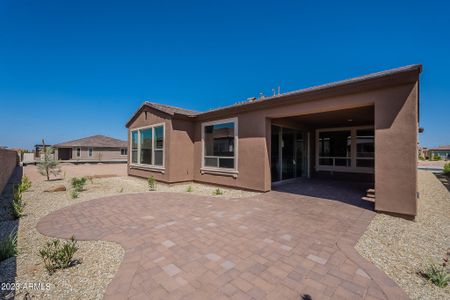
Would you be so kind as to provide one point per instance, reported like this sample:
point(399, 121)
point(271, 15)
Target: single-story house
point(97, 148)
point(442, 151)
point(363, 128)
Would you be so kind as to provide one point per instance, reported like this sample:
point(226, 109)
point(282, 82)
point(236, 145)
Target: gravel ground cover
point(403, 248)
point(99, 260)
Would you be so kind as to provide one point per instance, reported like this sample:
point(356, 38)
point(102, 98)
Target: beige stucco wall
point(8, 162)
point(98, 154)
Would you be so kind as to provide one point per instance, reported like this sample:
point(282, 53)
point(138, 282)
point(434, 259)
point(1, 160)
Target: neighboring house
point(442, 151)
point(97, 148)
point(359, 129)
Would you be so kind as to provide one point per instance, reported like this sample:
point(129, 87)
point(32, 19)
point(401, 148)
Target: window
point(124, 151)
point(90, 150)
point(147, 146)
point(365, 148)
point(134, 147)
point(335, 148)
point(219, 140)
point(350, 149)
point(78, 152)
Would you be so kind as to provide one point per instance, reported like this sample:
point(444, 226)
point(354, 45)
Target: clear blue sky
point(70, 69)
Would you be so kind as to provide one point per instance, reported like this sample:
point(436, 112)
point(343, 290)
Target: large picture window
point(335, 148)
point(147, 146)
point(219, 149)
point(350, 149)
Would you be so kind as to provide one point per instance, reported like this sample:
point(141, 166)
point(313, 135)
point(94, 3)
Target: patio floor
point(291, 243)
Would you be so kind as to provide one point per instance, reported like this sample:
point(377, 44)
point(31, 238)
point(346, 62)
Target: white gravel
point(99, 260)
point(404, 248)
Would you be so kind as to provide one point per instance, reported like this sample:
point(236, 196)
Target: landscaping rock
point(56, 188)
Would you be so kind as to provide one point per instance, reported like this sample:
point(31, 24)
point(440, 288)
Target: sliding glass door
point(288, 153)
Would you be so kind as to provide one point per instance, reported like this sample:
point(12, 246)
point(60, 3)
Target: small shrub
point(189, 189)
point(151, 183)
point(217, 192)
point(447, 169)
point(74, 194)
point(79, 183)
point(437, 157)
point(17, 205)
point(25, 184)
point(57, 255)
point(438, 275)
point(8, 246)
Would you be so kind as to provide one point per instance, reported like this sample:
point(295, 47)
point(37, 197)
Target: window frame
point(90, 151)
point(149, 166)
point(124, 151)
point(233, 170)
point(353, 168)
point(77, 151)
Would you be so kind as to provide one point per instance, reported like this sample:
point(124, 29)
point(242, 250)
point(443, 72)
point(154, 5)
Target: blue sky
point(70, 69)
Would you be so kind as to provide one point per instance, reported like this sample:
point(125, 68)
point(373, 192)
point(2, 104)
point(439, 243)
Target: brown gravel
point(403, 248)
point(99, 260)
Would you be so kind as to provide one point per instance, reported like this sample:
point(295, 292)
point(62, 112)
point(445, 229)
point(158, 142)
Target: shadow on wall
point(8, 225)
point(337, 190)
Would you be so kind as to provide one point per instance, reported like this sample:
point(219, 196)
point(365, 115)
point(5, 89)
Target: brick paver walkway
point(279, 245)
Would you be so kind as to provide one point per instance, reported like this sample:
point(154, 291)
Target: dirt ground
point(77, 170)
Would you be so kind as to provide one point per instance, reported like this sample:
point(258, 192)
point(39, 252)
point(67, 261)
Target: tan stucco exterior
point(394, 100)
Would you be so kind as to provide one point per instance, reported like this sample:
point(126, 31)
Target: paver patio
point(293, 243)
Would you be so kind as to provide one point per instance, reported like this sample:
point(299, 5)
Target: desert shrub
point(189, 189)
point(74, 194)
point(447, 169)
point(8, 246)
point(57, 255)
point(421, 157)
point(438, 275)
point(217, 192)
point(17, 204)
point(78, 183)
point(437, 157)
point(151, 183)
point(25, 184)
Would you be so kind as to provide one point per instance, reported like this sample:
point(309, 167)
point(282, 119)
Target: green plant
point(438, 275)
point(79, 183)
point(74, 194)
point(57, 255)
point(217, 192)
point(25, 184)
point(151, 183)
point(436, 157)
point(48, 164)
point(17, 204)
point(447, 169)
point(8, 246)
point(189, 189)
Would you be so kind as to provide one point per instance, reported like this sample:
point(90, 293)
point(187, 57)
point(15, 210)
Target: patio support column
point(396, 128)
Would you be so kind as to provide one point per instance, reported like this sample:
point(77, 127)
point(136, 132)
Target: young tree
point(48, 164)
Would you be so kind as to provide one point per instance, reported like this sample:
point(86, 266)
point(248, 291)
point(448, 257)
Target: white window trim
point(148, 166)
point(352, 168)
point(218, 170)
point(90, 151)
point(126, 150)
point(76, 152)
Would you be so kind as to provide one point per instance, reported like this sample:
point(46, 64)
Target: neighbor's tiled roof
point(94, 141)
point(444, 147)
